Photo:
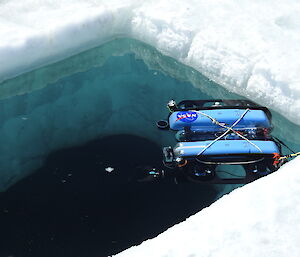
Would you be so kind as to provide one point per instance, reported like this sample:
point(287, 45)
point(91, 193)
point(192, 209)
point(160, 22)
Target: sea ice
point(258, 219)
point(250, 47)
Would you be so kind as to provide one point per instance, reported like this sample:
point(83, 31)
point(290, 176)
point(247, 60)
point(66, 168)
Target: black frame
point(197, 105)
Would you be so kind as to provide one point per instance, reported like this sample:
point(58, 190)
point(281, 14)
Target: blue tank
point(221, 147)
point(197, 121)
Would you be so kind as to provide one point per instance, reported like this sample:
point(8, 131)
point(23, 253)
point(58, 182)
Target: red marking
point(276, 157)
point(187, 115)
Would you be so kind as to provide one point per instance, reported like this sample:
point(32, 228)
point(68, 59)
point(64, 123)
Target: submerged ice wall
point(120, 97)
point(251, 47)
point(104, 91)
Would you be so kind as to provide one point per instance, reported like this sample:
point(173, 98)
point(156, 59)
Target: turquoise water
point(86, 97)
point(120, 88)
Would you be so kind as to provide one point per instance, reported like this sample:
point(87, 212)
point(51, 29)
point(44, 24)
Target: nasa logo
point(187, 116)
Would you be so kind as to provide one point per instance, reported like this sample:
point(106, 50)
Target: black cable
point(231, 163)
point(234, 175)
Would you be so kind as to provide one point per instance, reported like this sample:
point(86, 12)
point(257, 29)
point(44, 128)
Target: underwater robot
point(215, 133)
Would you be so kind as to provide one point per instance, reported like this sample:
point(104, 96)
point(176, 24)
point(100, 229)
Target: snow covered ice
point(258, 219)
point(252, 48)
point(249, 47)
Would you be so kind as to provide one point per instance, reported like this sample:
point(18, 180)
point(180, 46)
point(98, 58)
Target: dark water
point(72, 207)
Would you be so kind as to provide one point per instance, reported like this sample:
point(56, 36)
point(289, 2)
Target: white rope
point(227, 131)
point(241, 136)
